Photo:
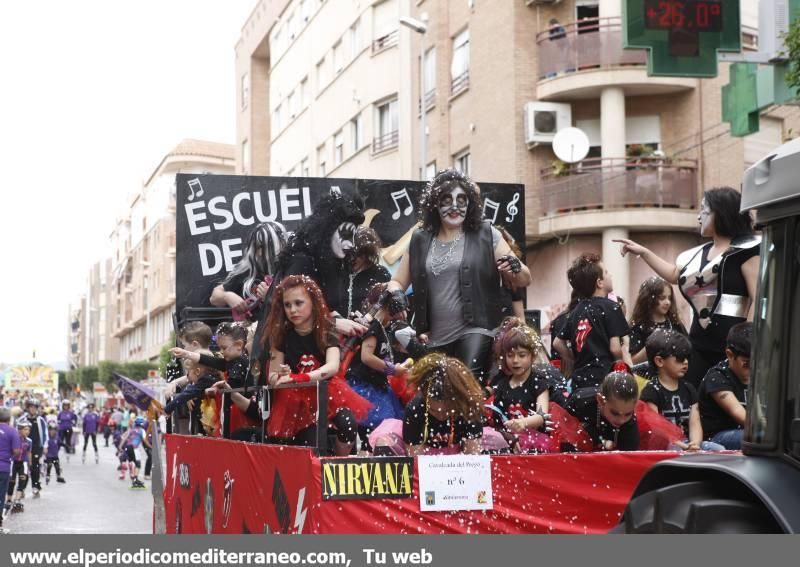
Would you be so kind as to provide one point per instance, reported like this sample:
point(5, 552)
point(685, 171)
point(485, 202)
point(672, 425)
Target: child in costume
point(607, 413)
point(520, 391)
point(723, 392)
point(305, 348)
point(669, 394)
point(654, 309)
point(593, 336)
point(231, 339)
point(371, 369)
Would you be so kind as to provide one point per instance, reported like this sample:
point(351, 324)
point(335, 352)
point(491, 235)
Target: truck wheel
point(699, 507)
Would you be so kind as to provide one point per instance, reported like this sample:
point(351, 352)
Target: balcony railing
point(588, 44)
point(618, 183)
point(385, 142)
point(385, 41)
point(430, 100)
point(460, 83)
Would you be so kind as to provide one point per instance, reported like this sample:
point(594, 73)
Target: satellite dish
point(571, 145)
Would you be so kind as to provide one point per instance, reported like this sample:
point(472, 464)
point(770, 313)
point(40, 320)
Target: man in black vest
point(454, 263)
point(39, 439)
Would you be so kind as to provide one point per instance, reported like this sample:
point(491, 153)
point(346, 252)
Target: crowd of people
point(36, 430)
point(436, 358)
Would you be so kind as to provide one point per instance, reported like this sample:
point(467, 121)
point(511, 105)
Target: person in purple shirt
point(20, 467)
point(66, 421)
point(90, 421)
point(51, 457)
point(9, 447)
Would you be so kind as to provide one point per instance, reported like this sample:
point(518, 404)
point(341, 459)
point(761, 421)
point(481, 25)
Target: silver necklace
point(388, 342)
point(350, 296)
point(439, 264)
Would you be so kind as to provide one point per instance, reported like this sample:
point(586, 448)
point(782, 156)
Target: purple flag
point(133, 392)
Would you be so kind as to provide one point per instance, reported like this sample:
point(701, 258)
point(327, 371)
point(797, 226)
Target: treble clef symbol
point(512, 209)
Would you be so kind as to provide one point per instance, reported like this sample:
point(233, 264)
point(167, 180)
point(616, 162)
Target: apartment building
point(91, 337)
point(142, 280)
point(332, 88)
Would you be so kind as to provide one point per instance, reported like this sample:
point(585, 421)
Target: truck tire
point(698, 507)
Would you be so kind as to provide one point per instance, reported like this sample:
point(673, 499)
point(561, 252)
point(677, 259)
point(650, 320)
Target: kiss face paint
point(453, 207)
point(342, 239)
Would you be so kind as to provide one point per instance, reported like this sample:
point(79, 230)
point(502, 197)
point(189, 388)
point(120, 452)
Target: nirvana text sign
point(215, 214)
point(361, 479)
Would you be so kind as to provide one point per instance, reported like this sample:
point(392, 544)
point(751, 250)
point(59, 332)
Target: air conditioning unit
point(543, 120)
point(541, 2)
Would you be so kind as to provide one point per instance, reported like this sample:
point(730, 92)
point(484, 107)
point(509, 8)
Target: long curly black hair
point(444, 182)
point(313, 236)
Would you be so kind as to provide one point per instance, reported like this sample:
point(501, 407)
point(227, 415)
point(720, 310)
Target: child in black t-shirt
point(592, 337)
point(305, 349)
point(654, 309)
point(669, 394)
point(723, 391)
point(200, 377)
point(445, 416)
point(231, 339)
point(608, 413)
point(370, 370)
point(520, 396)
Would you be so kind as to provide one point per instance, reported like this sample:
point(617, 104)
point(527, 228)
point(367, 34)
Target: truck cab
point(759, 490)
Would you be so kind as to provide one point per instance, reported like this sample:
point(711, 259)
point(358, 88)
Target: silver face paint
point(342, 239)
point(453, 207)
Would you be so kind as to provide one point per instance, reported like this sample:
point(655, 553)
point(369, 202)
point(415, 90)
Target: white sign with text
point(455, 482)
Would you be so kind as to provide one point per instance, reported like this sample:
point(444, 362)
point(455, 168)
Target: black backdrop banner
point(215, 214)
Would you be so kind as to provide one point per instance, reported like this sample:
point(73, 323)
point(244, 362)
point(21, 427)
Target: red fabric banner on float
point(563, 493)
point(220, 486)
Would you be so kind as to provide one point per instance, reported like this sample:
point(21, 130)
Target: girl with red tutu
point(304, 349)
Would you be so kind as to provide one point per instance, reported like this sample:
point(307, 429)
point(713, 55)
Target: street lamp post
point(420, 27)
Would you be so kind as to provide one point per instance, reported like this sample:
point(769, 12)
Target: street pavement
point(93, 501)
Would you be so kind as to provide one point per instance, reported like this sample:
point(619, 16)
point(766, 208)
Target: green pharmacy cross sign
point(682, 36)
point(751, 89)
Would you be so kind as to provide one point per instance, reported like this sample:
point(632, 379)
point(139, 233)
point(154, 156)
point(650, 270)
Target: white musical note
point(193, 183)
point(493, 205)
point(512, 209)
point(397, 196)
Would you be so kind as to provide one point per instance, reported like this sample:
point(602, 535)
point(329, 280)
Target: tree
point(792, 51)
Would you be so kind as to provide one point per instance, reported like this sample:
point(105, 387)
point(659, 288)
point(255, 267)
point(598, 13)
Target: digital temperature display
point(684, 15)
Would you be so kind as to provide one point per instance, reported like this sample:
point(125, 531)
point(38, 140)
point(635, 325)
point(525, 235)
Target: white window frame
point(391, 112)
point(306, 10)
point(304, 93)
point(322, 160)
point(429, 71)
point(338, 148)
point(355, 38)
point(430, 170)
point(305, 170)
point(292, 26)
point(337, 57)
point(245, 148)
point(292, 102)
point(461, 159)
point(460, 63)
point(322, 73)
point(356, 136)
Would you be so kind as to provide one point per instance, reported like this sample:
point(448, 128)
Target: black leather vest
point(479, 279)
